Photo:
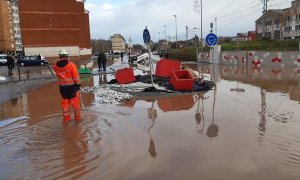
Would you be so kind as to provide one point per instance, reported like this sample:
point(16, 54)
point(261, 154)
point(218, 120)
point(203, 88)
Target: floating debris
point(112, 94)
point(105, 95)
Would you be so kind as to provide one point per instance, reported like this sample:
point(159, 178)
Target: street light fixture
point(165, 31)
point(176, 28)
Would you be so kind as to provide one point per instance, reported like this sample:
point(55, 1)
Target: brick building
point(118, 43)
point(280, 23)
point(50, 25)
point(271, 25)
point(7, 33)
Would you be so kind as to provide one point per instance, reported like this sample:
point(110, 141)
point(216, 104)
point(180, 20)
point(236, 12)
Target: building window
point(288, 18)
point(268, 23)
point(297, 27)
point(287, 28)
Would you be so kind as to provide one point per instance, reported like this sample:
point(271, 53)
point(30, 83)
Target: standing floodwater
point(246, 128)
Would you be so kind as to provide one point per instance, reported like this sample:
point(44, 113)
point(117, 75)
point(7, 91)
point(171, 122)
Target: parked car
point(31, 60)
point(3, 60)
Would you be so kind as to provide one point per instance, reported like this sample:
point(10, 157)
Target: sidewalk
point(25, 74)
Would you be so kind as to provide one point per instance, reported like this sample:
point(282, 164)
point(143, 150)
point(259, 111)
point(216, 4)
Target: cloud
point(130, 17)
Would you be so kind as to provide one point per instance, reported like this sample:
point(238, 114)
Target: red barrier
point(165, 67)
point(125, 76)
point(182, 80)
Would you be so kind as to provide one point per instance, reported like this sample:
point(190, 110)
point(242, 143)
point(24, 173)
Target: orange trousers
point(74, 102)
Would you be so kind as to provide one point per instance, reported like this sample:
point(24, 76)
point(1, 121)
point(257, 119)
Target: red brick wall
point(48, 38)
point(251, 36)
point(84, 36)
point(54, 23)
point(66, 6)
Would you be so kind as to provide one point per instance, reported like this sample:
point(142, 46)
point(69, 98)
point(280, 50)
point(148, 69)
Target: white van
point(3, 60)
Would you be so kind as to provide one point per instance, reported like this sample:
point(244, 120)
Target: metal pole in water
point(151, 63)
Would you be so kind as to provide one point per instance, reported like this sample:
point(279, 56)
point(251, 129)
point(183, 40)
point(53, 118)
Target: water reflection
point(74, 150)
point(199, 115)
point(103, 78)
point(181, 102)
point(262, 112)
point(213, 129)
point(39, 103)
point(259, 128)
point(152, 115)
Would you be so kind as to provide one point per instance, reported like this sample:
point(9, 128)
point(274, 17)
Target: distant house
point(242, 36)
point(251, 36)
point(118, 43)
point(280, 23)
point(271, 25)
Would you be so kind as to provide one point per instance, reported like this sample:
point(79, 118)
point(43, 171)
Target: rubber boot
point(67, 116)
point(77, 115)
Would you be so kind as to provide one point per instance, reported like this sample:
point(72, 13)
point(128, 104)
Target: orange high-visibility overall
point(69, 85)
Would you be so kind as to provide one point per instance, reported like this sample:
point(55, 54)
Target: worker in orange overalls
point(69, 85)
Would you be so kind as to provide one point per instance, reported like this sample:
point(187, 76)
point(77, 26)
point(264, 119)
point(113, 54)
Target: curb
point(14, 81)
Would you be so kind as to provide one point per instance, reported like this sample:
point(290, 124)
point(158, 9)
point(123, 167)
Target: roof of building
point(243, 34)
point(278, 11)
point(118, 36)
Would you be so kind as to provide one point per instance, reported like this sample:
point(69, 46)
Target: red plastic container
point(125, 76)
point(165, 67)
point(182, 80)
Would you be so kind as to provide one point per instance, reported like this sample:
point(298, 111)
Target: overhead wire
point(280, 3)
point(239, 18)
point(239, 10)
point(224, 7)
point(236, 11)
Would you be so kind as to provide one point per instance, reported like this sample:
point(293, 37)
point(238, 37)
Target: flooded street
point(246, 128)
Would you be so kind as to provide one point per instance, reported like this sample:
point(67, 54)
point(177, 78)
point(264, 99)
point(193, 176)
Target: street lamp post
point(196, 4)
point(176, 28)
point(165, 31)
point(201, 30)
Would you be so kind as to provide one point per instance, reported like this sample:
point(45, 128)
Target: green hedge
point(189, 53)
point(262, 45)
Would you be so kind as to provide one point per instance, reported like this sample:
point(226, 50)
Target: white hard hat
point(63, 52)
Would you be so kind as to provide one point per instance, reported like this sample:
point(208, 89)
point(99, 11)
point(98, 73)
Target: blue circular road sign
point(146, 36)
point(211, 39)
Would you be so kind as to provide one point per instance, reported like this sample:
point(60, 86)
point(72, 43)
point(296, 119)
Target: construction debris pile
point(112, 94)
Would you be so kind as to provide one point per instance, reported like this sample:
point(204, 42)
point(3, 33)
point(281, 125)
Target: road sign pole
point(211, 40)
point(147, 40)
point(151, 63)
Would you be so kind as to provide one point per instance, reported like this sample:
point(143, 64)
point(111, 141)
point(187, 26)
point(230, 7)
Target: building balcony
point(297, 32)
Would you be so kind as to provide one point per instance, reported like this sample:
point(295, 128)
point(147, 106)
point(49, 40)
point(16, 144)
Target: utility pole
point(198, 8)
point(216, 29)
point(165, 31)
point(187, 34)
point(158, 36)
point(176, 28)
point(265, 9)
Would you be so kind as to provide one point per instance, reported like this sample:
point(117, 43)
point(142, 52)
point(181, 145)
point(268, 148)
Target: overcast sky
point(129, 17)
